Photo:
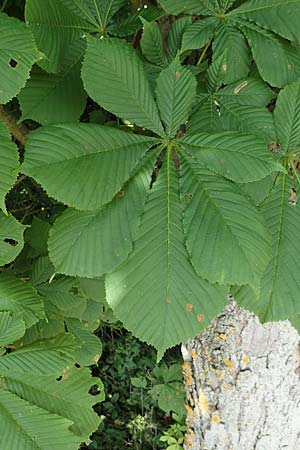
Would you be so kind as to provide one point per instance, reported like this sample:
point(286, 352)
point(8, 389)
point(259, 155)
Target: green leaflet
point(198, 33)
point(57, 31)
point(9, 164)
point(97, 12)
point(238, 56)
point(175, 35)
point(175, 93)
point(90, 346)
point(11, 238)
point(40, 409)
point(277, 61)
point(152, 43)
point(20, 299)
point(239, 157)
point(49, 98)
point(124, 89)
point(225, 235)
point(287, 118)
point(96, 160)
point(12, 327)
point(279, 297)
point(156, 292)
point(18, 53)
point(187, 6)
point(276, 15)
point(81, 242)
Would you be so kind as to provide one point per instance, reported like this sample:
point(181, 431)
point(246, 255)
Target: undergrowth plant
point(149, 166)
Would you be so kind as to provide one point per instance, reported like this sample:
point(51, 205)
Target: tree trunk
point(242, 380)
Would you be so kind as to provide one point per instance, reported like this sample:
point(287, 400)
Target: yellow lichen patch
point(216, 417)
point(229, 364)
point(189, 410)
point(194, 354)
point(231, 329)
point(206, 352)
point(188, 373)
point(223, 336)
point(246, 360)
point(203, 403)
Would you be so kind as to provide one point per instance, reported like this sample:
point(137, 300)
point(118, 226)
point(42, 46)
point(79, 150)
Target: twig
point(18, 131)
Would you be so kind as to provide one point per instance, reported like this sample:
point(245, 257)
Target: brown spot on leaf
point(222, 161)
point(177, 74)
point(274, 147)
point(189, 307)
point(96, 358)
point(289, 66)
point(121, 194)
point(200, 317)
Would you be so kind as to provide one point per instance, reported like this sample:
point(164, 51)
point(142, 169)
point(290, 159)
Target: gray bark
point(242, 380)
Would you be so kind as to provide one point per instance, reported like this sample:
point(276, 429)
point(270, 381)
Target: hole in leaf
point(11, 242)
point(13, 63)
point(59, 378)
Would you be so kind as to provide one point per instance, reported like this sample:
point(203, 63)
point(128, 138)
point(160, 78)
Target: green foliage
point(182, 188)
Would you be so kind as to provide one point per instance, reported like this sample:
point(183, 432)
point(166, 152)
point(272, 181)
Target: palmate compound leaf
point(156, 293)
point(175, 93)
point(18, 53)
point(240, 157)
point(124, 89)
point(226, 237)
point(9, 164)
point(20, 299)
point(89, 244)
point(11, 238)
point(95, 160)
point(279, 296)
point(176, 7)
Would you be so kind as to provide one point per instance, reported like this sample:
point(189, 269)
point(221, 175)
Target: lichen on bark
point(242, 381)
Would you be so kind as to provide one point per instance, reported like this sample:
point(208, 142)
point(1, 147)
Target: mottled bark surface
point(243, 385)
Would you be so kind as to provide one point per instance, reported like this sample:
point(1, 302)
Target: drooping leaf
point(81, 243)
point(39, 411)
point(21, 299)
point(12, 327)
point(226, 237)
point(57, 31)
point(176, 92)
point(239, 157)
point(11, 238)
point(124, 89)
point(9, 164)
point(96, 160)
point(18, 53)
point(152, 43)
point(156, 293)
point(198, 33)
